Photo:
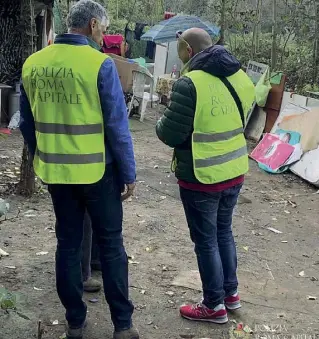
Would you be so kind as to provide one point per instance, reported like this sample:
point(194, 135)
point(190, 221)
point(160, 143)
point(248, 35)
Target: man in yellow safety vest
point(74, 119)
point(204, 123)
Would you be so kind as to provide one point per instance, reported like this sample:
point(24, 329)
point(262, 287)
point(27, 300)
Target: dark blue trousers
point(102, 201)
point(209, 218)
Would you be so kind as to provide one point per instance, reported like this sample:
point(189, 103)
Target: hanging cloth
point(112, 44)
point(139, 28)
point(150, 50)
point(168, 15)
point(129, 34)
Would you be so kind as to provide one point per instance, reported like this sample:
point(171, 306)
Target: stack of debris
point(292, 144)
point(290, 123)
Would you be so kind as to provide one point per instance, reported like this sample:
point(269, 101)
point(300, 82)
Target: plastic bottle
point(173, 74)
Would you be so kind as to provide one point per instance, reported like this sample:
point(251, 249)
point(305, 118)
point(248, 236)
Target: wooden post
point(274, 36)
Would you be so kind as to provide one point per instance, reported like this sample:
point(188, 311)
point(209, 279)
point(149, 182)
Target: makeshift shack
point(164, 35)
point(25, 26)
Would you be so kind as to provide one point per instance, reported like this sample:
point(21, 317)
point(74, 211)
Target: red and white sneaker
point(233, 302)
point(199, 312)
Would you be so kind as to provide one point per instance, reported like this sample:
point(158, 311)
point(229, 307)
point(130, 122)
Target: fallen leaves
point(3, 253)
point(274, 230)
point(132, 261)
point(150, 248)
point(37, 289)
point(310, 297)
point(42, 253)
point(170, 293)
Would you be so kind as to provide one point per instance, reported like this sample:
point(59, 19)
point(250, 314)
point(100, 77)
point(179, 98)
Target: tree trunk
point(258, 26)
point(274, 37)
point(222, 22)
point(316, 44)
point(26, 186)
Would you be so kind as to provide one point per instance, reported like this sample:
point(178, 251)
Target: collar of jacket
point(93, 44)
point(76, 39)
point(71, 39)
point(185, 68)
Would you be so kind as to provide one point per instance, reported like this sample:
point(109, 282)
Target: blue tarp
point(166, 30)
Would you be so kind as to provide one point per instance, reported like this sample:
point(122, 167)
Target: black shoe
point(132, 333)
point(75, 333)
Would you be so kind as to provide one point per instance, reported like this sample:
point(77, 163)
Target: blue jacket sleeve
point(26, 125)
point(116, 125)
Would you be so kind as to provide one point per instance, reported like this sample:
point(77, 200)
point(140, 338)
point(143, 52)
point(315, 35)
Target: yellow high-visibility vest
point(61, 84)
point(218, 143)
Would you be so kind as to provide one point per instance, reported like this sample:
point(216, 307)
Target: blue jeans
point(102, 201)
point(87, 244)
point(209, 218)
point(86, 248)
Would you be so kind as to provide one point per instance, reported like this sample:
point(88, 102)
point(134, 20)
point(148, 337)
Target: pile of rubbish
point(292, 144)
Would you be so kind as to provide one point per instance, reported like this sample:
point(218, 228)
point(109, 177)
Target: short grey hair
point(83, 12)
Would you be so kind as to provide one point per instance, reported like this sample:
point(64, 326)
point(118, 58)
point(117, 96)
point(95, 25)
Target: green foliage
point(295, 60)
point(296, 24)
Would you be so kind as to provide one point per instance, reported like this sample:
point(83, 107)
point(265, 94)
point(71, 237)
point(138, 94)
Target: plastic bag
point(15, 120)
point(262, 89)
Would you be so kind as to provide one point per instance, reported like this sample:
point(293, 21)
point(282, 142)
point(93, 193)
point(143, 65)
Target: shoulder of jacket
point(184, 83)
point(184, 93)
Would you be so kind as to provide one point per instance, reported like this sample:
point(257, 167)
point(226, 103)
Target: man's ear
point(93, 23)
point(190, 51)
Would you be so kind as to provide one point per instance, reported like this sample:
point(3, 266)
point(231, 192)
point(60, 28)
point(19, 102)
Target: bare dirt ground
point(278, 272)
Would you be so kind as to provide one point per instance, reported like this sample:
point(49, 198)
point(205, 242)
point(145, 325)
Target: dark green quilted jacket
point(176, 126)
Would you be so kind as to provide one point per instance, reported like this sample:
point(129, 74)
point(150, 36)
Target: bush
point(295, 59)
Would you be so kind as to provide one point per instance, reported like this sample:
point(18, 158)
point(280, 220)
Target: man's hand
point(128, 191)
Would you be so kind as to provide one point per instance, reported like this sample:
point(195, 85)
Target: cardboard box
point(125, 69)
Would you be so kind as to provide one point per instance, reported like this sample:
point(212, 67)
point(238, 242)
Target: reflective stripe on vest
point(220, 159)
point(51, 128)
point(61, 84)
point(68, 159)
point(218, 144)
point(200, 137)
